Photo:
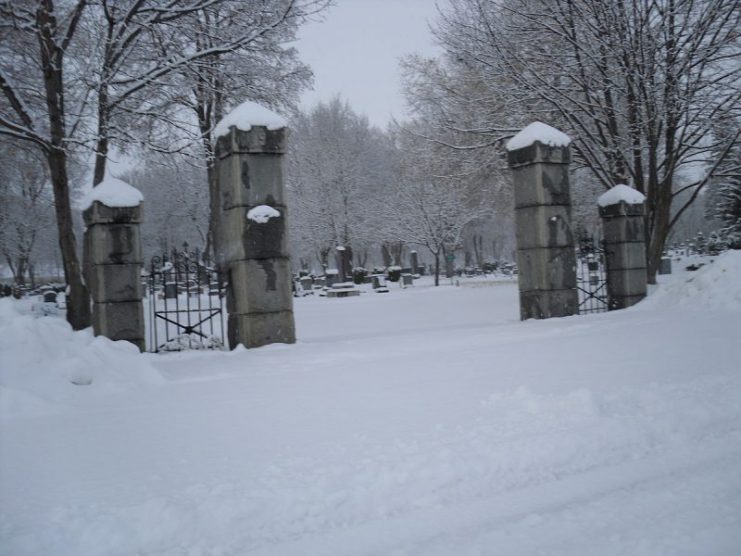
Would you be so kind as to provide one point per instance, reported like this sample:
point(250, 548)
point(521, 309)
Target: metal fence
point(591, 276)
point(185, 295)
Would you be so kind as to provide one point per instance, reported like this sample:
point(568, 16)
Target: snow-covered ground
point(424, 421)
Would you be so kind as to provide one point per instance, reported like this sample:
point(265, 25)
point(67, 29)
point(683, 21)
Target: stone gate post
point(623, 225)
point(113, 256)
point(252, 228)
point(539, 158)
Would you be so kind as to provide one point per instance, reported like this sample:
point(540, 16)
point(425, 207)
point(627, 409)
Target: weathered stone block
point(246, 239)
point(627, 282)
point(546, 269)
point(115, 283)
point(626, 229)
point(257, 140)
point(248, 180)
point(98, 213)
point(114, 244)
point(255, 330)
point(538, 153)
point(623, 302)
point(620, 256)
point(544, 184)
point(544, 304)
point(621, 209)
point(260, 286)
point(543, 226)
point(120, 321)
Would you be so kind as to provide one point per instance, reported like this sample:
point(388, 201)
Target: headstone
point(539, 158)
point(407, 280)
point(666, 266)
point(343, 263)
point(252, 228)
point(414, 262)
point(50, 297)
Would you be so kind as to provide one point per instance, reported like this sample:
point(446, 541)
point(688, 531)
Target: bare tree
point(80, 75)
point(433, 199)
point(339, 168)
point(639, 84)
point(26, 209)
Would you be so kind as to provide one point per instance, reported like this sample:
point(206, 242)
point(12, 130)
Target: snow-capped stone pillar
point(114, 261)
point(622, 211)
point(539, 159)
point(253, 234)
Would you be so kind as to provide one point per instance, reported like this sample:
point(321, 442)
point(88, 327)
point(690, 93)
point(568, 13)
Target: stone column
point(539, 159)
point(414, 262)
point(114, 263)
point(623, 225)
point(343, 264)
point(253, 231)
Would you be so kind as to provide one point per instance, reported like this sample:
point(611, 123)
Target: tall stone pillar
point(343, 264)
point(539, 159)
point(253, 233)
point(623, 224)
point(113, 257)
point(414, 262)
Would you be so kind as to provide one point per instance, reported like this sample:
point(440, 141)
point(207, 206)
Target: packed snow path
point(428, 421)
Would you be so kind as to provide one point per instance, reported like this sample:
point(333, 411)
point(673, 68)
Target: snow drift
point(45, 362)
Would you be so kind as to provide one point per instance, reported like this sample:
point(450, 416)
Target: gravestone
point(539, 159)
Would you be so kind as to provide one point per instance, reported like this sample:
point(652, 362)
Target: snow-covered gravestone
point(252, 230)
point(113, 255)
point(622, 212)
point(539, 158)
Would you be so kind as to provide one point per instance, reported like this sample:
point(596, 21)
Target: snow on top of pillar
point(621, 194)
point(538, 131)
point(249, 114)
point(262, 214)
point(113, 193)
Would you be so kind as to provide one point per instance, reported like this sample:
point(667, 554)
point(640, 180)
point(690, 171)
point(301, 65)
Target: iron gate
point(591, 277)
point(186, 302)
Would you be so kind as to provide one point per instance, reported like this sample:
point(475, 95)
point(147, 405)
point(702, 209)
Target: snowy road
point(428, 421)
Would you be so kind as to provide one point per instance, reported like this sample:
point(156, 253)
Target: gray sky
point(356, 49)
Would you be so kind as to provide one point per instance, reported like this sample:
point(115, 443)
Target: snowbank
point(716, 286)
point(44, 362)
point(249, 114)
point(113, 192)
point(262, 213)
point(621, 194)
point(538, 131)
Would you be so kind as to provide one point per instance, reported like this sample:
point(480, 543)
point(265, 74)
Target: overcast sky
point(356, 49)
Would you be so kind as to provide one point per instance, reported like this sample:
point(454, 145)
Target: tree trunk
point(78, 296)
point(437, 268)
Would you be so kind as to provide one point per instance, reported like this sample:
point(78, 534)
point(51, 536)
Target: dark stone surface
point(537, 153)
point(544, 304)
point(259, 329)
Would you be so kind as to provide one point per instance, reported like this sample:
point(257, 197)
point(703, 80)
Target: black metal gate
point(591, 277)
point(186, 302)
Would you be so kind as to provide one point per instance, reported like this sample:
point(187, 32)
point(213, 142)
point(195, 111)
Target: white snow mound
point(621, 194)
point(249, 114)
point(114, 193)
point(538, 131)
point(45, 362)
point(262, 213)
point(715, 286)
